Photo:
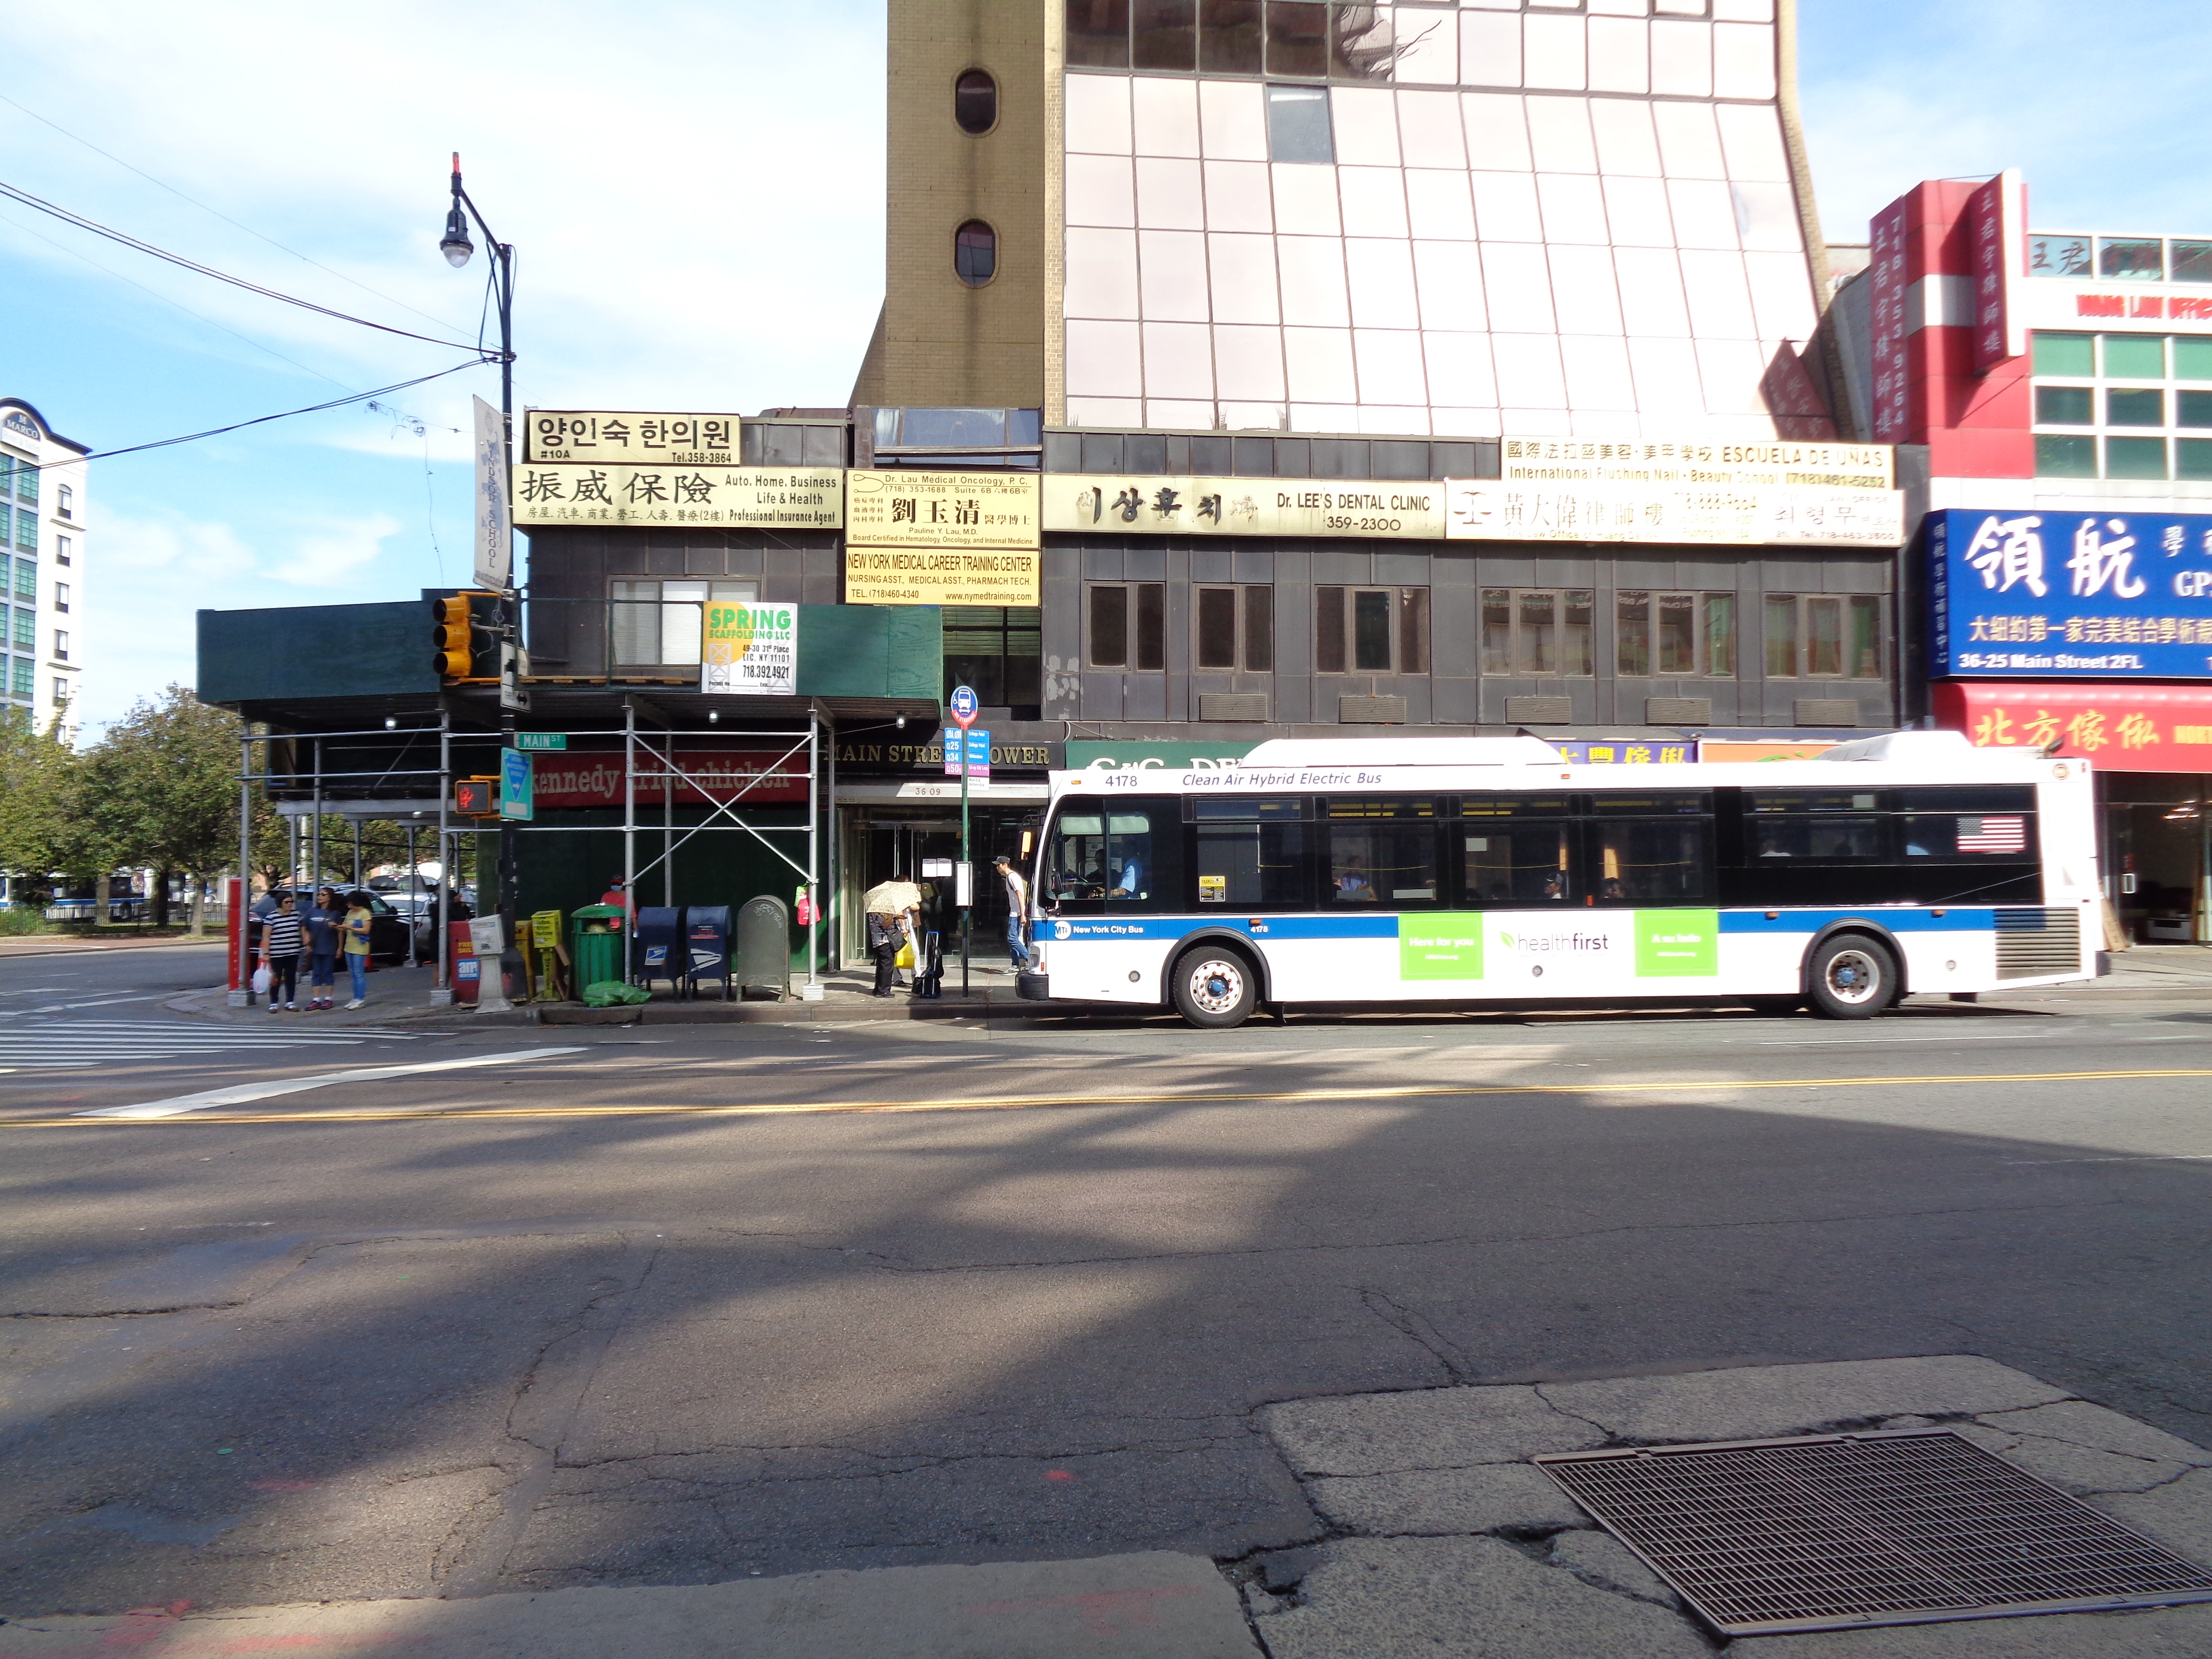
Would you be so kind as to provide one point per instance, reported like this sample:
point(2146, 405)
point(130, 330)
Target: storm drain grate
point(1839, 1531)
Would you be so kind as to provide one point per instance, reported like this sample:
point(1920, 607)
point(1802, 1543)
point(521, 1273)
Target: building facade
point(2054, 388)
point(42, 514)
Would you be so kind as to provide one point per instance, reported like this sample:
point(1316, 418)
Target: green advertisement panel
point(1440, 946)
point(1682, 944)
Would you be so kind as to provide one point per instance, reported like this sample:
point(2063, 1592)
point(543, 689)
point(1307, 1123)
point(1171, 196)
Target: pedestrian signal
point(477, 798)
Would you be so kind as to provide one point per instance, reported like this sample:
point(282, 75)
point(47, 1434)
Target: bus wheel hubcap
point(1217, 986)
point(1852, 976)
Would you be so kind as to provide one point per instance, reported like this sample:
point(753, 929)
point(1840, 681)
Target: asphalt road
point(682, 1304)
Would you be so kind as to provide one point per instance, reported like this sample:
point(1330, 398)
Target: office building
point(42, 518)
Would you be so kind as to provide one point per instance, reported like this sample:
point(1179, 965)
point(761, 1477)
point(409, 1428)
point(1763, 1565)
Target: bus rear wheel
point(1852, 977)
point(1214, 987)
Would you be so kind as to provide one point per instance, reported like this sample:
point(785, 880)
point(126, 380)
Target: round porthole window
point(975, 101)
point(975, 253)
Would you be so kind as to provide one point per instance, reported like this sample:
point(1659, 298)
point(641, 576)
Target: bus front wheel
point(1852, 977)
point(1214, 987)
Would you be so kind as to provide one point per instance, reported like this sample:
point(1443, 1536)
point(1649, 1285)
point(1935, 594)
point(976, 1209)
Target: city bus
point(1490, 872)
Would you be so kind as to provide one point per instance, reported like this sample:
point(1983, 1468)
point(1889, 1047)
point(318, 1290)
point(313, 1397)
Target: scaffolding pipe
point(813, 848)
point(441, 994)
point(630, 829)
point(315, 849)
point(243, 996)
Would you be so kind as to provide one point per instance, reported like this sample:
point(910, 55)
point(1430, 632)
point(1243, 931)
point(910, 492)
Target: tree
point(45, 829)
point(162, 787)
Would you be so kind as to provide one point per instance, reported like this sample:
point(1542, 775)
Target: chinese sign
point(578, 780)
point(917, 575)
point(571, 435)
point(1886, 270)
point(1646, 462)
point(2125, 728)
point(2067, 594)
point(943, 509)
point(1993, 233)
point(1734, 514)
point(1243, 507)
point(493, 564)
point(767, 498)
point(1640, 752)
point(750, 650)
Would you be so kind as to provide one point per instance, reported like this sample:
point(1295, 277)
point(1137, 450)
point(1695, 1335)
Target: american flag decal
point(1993, 834)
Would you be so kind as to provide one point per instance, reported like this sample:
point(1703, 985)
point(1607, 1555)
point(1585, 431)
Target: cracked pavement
point(305, 1353)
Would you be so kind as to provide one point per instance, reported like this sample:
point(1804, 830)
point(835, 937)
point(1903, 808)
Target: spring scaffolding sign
point(750, 650)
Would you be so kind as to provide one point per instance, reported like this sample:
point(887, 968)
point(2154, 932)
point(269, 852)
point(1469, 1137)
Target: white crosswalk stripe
point(63, 1044)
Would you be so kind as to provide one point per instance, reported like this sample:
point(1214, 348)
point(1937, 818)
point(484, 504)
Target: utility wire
point(13, 194)
point(225, 218)
point(258, 420)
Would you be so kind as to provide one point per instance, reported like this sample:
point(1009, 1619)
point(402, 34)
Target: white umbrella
point(889, 897)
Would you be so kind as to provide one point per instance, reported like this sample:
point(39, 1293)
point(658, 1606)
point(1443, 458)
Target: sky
point(695, 192)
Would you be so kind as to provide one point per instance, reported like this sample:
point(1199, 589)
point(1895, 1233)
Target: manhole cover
point(1836, 1531)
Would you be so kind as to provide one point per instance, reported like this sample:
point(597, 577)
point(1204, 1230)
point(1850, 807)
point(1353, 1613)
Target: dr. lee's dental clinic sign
point(2067, 595)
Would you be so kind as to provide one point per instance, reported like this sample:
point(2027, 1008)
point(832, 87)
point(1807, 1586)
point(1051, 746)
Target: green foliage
point(20, 919)
point(44, 827)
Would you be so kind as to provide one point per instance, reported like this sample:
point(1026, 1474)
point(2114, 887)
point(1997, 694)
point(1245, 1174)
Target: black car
point(387, 929)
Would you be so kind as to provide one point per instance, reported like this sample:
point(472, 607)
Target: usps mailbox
point(659, 950)
point(706, 943)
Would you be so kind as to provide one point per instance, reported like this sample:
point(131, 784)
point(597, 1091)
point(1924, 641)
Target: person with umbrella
point(894, 911)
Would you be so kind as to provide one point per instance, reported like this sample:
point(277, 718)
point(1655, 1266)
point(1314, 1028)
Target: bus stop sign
point(962, 706)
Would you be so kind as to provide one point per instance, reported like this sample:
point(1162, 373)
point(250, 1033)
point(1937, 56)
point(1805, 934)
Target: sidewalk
point(63, 944)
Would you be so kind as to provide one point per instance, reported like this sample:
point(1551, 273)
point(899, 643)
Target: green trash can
point(600, 944)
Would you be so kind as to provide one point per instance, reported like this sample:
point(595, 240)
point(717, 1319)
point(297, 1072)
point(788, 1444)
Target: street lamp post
point(457, 248)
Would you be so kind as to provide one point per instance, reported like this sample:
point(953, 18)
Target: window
point(1251, 853)
point(2136, 416)
point(998, 649)
point(61, 596)
point(27, 482)
point(1824, 826)
point(1098, 33)
point(65, 502)
point(1128, 625)
point(1516, 850)
point(61, 689)
point(1650, 849)
point(1828, 635)
point(662, 623)
point(61, 647)
point(1674, 634)
point(975, 253)
point(1534, 633)
point(975, 101)
point(27, 531)
point(27, 581)
point(1380, 853)
point(1115, 854)
point(1163, 35)
point(64, 547)
point(1371, 630)
point(27, 630)
point(2132, 259)
point(1229, 37)
point(2066, 405)
point(1297, 116)
point(1235, 629)
point(2135, 408)
point(24, 672)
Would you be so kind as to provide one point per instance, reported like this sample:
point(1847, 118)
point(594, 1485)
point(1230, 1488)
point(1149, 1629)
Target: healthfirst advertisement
point(1594, 950)
point(2069, 595)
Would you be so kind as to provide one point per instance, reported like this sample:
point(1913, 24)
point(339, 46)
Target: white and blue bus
point(1489, 871)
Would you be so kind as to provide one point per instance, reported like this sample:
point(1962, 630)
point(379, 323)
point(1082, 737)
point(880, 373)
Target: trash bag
point(613, 994)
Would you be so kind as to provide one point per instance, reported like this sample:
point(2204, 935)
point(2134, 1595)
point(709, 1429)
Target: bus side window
point(1514, 851)
point(1650, 850)
point(1252, 853)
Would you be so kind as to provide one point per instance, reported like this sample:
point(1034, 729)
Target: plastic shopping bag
point(803, 910)
point(262, 980)
point(613, 994)
point(905, 957)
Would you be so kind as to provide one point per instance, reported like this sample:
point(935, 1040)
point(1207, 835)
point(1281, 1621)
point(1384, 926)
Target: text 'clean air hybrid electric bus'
point(1484, 871)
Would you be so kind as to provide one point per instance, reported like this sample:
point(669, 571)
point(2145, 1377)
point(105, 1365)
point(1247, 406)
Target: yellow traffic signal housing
point(477, 798)
point(465, 632)
point(450, 635)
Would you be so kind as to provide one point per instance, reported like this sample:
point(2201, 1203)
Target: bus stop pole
point(967, 871)
point(813, 847)
point(449, 886)
point(241, 977)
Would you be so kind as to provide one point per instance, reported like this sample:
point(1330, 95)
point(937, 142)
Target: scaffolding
point(649, 757)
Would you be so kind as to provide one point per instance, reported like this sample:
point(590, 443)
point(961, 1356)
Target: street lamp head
point(456, 246)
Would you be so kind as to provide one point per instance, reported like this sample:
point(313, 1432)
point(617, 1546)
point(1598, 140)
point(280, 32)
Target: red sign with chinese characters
point(2122, 728)
point(1994, 213)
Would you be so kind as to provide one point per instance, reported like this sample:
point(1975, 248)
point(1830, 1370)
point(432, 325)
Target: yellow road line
point(1023, 1102)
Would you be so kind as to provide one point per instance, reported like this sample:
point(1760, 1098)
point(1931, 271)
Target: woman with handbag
point(281, 941)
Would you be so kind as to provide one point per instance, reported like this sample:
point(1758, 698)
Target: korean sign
point(1243, 507)
point(1648, 461)
point(766, 498)
point(572, 435)
point(2069, 594)
point(2126, 728)
point(1723, 514)
point(943, 509)
point(918, 575)
point(750, 650)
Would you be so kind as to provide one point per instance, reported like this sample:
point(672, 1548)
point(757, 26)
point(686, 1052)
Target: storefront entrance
point(883, 843)
point(2157, 854)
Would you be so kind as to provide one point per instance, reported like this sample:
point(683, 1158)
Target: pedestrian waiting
point(322, 920)
point(355, 929)
point(280, 939)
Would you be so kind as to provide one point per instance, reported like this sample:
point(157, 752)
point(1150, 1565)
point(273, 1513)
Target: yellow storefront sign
point(645, 437)
point(913, 575)
point(721, 497)
point(943, 509)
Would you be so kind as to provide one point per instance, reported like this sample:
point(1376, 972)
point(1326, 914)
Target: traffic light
point(465, 636)
point(477, 798)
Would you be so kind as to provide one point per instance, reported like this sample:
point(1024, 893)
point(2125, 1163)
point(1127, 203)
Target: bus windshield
point(1099, 852)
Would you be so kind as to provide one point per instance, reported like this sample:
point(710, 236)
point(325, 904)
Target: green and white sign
point(1678, 944)
point(541, 741)
point(1440, 946)
point(1166, 757)
point(517, 786)
point(750, 650)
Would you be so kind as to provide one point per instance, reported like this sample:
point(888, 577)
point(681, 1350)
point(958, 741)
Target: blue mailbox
point(658, 951)
point(707, 944)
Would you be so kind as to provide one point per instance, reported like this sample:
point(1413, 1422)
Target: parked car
point(388, 930)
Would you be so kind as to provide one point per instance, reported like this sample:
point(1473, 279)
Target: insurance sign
point(2066, 595)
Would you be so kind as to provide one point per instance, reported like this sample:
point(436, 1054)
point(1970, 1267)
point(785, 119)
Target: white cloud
point(201, 552)
point(330, 555)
